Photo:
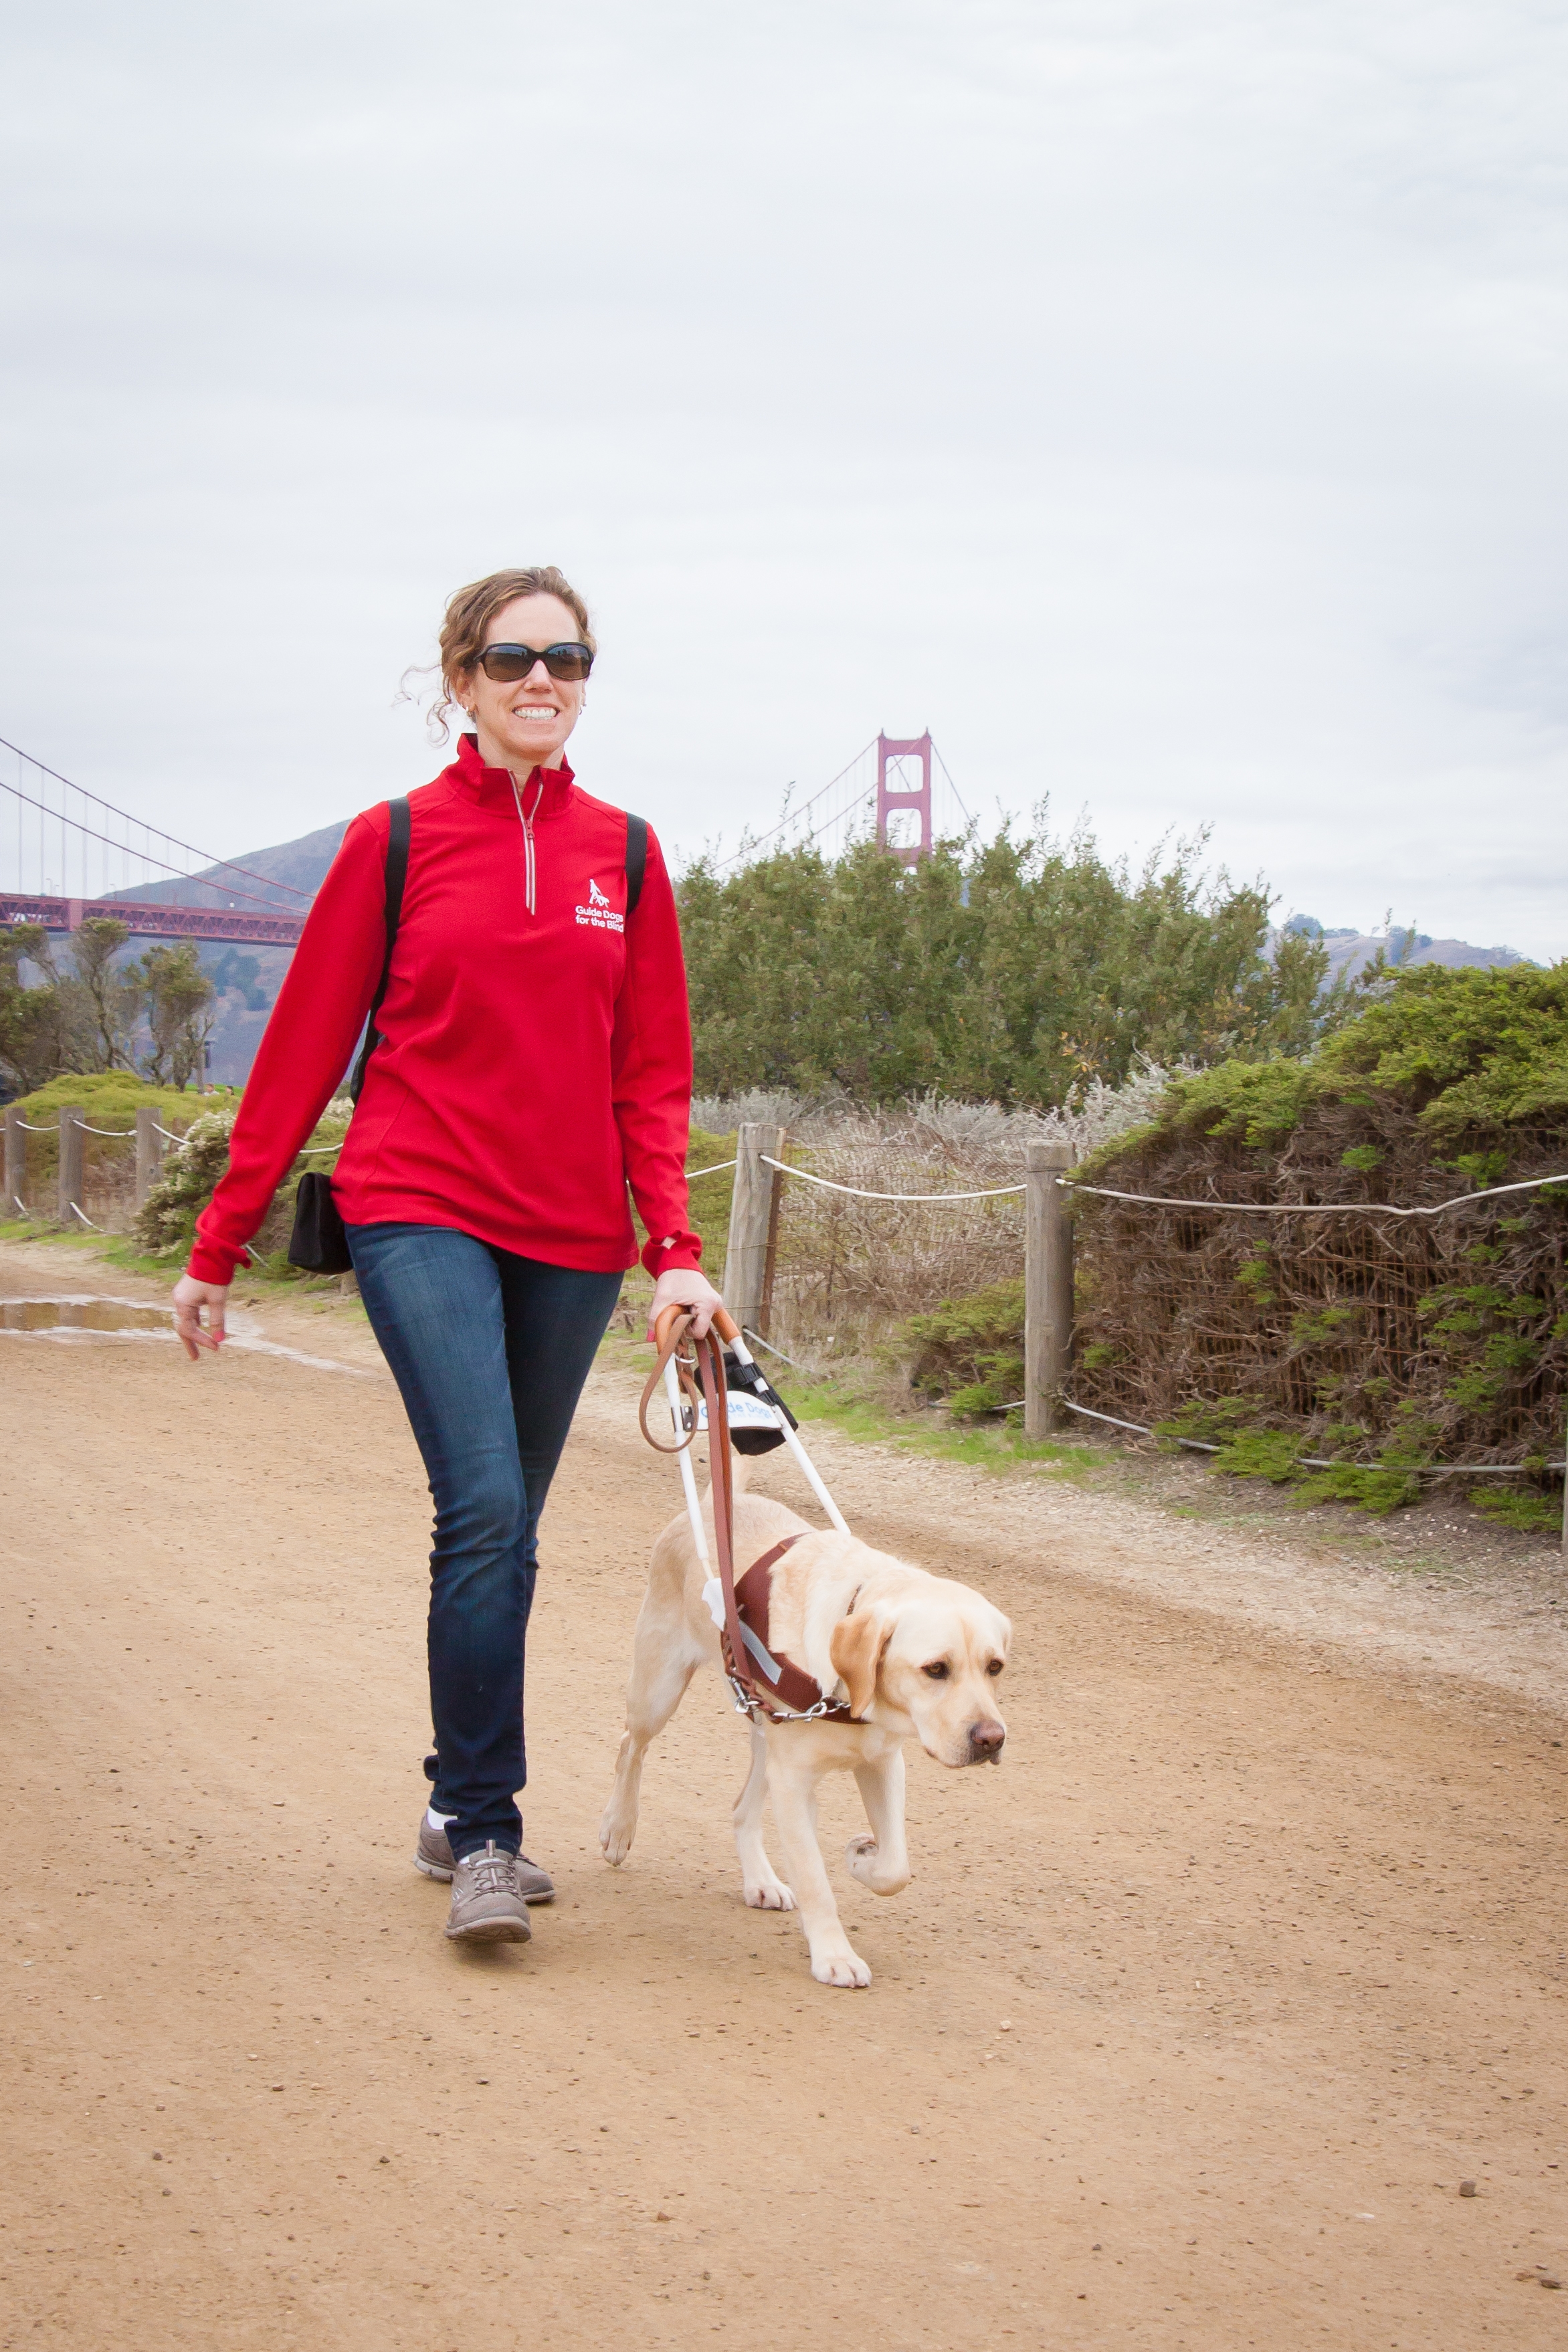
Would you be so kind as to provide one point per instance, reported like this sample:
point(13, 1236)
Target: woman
point(533, 1058)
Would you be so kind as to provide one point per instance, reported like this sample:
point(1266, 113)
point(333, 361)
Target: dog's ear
point(855, 1650)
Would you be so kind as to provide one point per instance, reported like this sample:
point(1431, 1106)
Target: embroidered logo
point(598, 915)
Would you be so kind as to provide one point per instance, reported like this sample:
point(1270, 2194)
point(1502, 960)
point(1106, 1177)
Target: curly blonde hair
point(471, 612)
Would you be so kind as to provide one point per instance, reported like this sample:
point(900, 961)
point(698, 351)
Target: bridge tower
point(903, 797)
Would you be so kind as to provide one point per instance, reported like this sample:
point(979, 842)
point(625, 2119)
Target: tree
point(1015, 970)
point(114, 991)
point(44, 1029)
point(180, 1002)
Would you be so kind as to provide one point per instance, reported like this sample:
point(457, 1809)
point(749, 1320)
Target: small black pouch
point(319, 1244)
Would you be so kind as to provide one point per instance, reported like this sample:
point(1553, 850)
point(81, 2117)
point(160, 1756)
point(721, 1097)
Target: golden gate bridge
point(889, 791)
point(67, 854)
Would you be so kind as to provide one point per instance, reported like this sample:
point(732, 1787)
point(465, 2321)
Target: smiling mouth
point(535, 710)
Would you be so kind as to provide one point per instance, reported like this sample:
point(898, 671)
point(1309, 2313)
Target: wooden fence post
point(754, 1208)
point(71, 1139)
point(1048, 1288)
point(16, 1162)
point(149, 1152)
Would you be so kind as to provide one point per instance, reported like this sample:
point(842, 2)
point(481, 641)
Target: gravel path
point(1196, 2016)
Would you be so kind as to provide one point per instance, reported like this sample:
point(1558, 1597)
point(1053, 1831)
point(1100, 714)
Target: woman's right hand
point(190, 1298)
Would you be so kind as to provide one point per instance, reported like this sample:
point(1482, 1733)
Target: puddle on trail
point(85, 1316)
point(81, 1314)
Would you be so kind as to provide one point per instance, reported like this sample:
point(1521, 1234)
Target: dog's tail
point(739, 1476)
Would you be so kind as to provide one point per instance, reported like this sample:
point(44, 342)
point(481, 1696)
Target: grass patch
point(856, 1413)
point(1533, 1515)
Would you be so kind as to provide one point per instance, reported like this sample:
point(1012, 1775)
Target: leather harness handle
point(724, 1323)
point(670, 1334)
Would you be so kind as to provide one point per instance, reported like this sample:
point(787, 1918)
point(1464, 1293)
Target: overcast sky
point(1163, 400)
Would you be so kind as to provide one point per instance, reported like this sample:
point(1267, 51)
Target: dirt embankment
point(1196, 2016)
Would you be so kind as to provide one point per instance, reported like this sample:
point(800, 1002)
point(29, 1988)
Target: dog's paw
point(769, 1895)
point(864, 1858)
point(860, 1853)
point(845, 1968)
point(615, 1840)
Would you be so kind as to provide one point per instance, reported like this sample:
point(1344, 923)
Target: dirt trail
point(1195, 2017)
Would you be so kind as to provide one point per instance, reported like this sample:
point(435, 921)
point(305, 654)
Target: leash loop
point(685, 1373)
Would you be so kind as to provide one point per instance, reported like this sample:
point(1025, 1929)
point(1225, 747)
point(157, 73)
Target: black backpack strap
point(637, 861)
point(391, 910)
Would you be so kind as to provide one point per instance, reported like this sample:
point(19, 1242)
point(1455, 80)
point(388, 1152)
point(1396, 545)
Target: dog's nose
point(986, 1741)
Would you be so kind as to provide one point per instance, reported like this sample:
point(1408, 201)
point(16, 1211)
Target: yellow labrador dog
point(916, 1657)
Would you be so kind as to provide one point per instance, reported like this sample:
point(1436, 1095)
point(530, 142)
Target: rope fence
point(1404, 1334)
point(1307, 1461)
point(1309, 1208)
point(857, 1191)
point(1391, 1349)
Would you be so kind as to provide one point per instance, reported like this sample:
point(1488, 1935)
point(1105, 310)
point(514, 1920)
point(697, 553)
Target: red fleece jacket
point(532, 1063)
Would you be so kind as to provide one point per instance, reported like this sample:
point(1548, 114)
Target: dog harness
point(761, 1683)
point(787, 1693)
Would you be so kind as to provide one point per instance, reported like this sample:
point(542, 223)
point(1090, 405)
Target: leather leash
point(706, 1365)
point(702, 1383)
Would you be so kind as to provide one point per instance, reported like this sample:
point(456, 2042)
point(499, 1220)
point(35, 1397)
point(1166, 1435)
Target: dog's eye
point(995, 1667)
point(937, 1670)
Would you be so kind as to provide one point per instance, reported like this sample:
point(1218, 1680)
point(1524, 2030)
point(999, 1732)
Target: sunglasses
point(507, 663)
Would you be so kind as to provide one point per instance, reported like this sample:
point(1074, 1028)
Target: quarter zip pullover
point(536, 1047)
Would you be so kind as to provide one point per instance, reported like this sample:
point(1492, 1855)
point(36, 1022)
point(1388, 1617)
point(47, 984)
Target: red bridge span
point(144, 919)
point(67, 856)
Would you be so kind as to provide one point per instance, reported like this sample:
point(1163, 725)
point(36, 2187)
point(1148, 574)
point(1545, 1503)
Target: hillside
point(1351, 950)
point(247, 978)
point(301, 865)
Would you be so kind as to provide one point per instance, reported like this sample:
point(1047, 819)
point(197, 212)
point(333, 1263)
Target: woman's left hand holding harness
point(683, 1286)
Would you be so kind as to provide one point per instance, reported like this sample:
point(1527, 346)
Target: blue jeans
point(490, 1352)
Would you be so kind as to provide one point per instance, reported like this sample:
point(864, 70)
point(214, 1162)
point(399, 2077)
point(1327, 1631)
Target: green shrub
point(1271, 1453)
point(1517, 1507)
point(166, 1222)
point(970, 1350)
point(107, 1099)
point(1439, 1078)
point(1010, 971)
point(1465, 1053)
point(1375, 1488)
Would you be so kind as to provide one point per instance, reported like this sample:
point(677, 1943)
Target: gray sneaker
point(488, 1906)
point(433, 1856)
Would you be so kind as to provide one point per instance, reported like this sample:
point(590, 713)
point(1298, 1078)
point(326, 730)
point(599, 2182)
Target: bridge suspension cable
point(285, 899)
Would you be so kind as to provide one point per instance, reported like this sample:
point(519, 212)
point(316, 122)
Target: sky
point(1161, 400)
